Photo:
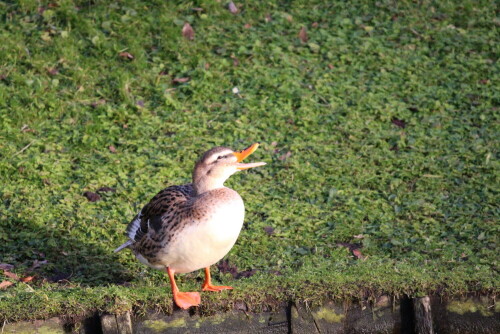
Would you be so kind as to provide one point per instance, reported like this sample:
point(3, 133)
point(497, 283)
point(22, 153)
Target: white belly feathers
point(202, 243)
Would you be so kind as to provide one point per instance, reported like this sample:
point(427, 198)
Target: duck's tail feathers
point(134, 231)
point(124, 245)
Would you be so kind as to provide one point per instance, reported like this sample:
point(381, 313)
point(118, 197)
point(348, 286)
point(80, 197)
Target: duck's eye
point(220, 157)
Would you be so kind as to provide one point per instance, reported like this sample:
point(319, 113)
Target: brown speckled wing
point(159, 219)
point(162, 210)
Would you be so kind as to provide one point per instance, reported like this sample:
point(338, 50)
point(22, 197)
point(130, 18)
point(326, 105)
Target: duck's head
point(218, 164)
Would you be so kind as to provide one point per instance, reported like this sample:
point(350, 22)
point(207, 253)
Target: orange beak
point(245, 153)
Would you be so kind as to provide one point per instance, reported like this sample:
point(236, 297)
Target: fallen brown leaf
point(232, 8)
point(268, 18)
point(246, 273)
point(285, 156)
point(92, 197)
point(247, 26)
point(126, 55)
point(112, 149)
point(5, 284)
point(37, 264)
point(25, 128)
point(399, 122)
point(315, 24)
point(351, 247)
point(27, 279)
point(357, 254)
point(269, 230)
point(354, 248)
point(97, 103)
point(236, 62)
point(224, 267)
point(53, 71)
point(11, 275)
point(188, 31)
point(303, 35)
point(180, 80)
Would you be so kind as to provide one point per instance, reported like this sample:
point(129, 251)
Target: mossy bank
point(379, 124)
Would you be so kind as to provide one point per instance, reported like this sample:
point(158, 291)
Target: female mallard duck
point(189, 227)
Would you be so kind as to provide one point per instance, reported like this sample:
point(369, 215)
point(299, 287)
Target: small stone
point(240, 306)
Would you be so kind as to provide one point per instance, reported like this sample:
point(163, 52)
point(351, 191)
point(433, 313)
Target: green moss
point(161, 325)
point(469, 306)
point(217, 319)
point(20, 328)
point(49, 327)
point(328, 315)
point(50, 330)
point(294, 313)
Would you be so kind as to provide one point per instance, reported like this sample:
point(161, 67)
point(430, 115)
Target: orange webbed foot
point(210, 287)
point(207, 285)
point(187, 299)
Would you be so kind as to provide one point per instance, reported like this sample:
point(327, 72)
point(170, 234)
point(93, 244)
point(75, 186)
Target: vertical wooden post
point(422, 315)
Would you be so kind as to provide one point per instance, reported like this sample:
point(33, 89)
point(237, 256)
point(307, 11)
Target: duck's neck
point(203, 185)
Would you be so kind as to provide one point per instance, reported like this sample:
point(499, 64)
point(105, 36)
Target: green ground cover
point(381, 129)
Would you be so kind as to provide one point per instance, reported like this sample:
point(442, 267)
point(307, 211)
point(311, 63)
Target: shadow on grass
point(54, 255)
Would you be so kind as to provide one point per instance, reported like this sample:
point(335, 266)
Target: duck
point(189, 227)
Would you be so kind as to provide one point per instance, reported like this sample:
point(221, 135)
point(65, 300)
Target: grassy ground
point(379, 130)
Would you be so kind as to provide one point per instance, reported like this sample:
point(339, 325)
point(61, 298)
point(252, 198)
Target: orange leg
point(207, 285)
point(182, 299)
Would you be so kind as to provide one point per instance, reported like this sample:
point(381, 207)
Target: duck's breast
point(215, 223)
